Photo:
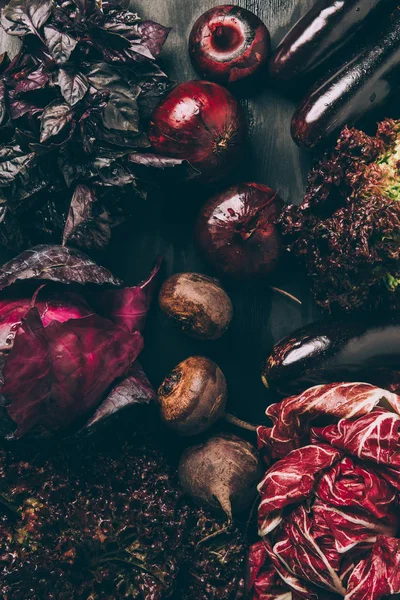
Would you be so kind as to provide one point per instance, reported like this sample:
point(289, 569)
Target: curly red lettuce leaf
point(55, 375)
point(292, 416)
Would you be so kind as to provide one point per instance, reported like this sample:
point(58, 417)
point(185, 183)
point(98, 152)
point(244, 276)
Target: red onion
point(236, 231)
point(203, 123)
point(229, 43)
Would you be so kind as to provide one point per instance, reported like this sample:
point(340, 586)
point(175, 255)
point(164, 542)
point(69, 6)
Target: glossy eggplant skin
point(322, 32)
point(360, 87)
point(359, 347)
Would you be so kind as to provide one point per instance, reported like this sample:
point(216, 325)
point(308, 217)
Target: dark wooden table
point(163, 226)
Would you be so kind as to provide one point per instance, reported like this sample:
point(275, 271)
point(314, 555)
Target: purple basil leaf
point(135, 388)
point(153, 36)
point(21, 17)
point(13, 163)
point(73, 85)
point(87, 7)
point(20, 107)
point(185, 169)
point(60, 44)
point(35, 80)
point(56, 374)
point(55, 263)
point(87, 224)
point(54, 118)
point(108, 5)
point(153, 90)
point(105, 38)
point(11, 235)
point(125, 28)
point(129, 306)
point(121, 113)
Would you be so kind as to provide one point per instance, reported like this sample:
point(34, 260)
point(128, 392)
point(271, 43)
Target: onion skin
point(193, 396)
point(201, 122)
point(198, 304)
point(228, 44)
point(236, 231)
point(222, 473)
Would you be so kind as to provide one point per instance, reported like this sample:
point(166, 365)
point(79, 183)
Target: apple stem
point(284, 293)
point(238, 422)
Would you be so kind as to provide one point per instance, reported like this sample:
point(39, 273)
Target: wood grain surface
point(164, 224)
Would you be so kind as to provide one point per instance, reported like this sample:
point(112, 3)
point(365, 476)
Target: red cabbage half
point(329, 516)
point(60, 355)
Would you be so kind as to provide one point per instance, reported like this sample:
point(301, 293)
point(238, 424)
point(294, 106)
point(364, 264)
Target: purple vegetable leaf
point(135, 388)
point(60, 45)
point(73, 85)
point(155, 161)
point(55, 263)
point(19, 107)
point(55, 375)
point(129, 306)
point(35, 80)
point(153, 36)
point(87, 225)
point(54, 118)
point(121, 113)
point(21, 17)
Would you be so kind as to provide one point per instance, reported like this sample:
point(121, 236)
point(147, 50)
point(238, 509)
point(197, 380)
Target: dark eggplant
point(361, 86)
point(320, 34)
point(359, 347)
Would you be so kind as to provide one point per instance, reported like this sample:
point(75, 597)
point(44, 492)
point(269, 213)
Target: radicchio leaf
point(55, 263)
point(285, 484)
point(60, 44)
point(377, 576)
point(129, 306)
point(73, 85)
point(292, 416)
point(373, 437)
point(135, 388)
point(57, 374)
point(21, 17)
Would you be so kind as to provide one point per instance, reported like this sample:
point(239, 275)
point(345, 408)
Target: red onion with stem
point(200, 122)
point(237, 235)
point(228, 44)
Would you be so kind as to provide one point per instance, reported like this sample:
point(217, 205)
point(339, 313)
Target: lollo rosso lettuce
point(69, 349)
point(329, 517)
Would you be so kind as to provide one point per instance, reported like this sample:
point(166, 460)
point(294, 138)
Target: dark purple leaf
point(153, 90)
point(56, 374)
point(21, 17)
point(13, 163)
point(185, 169)
point(55, 263)
point(87, 7)
point(121, 113)
point(135, 388)
point(73, 85)
point(11, 235)
point(105, 38)
point(153, 36)
point(108, 5)
point(60, 44)
point(125, 28)
point(87, 225)
point(54, 118)
point(129, 306)
point(35, 80)
point(20, 107)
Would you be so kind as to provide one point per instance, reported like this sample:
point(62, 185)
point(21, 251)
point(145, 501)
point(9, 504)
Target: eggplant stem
point(239, 422)
point(285, 293)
